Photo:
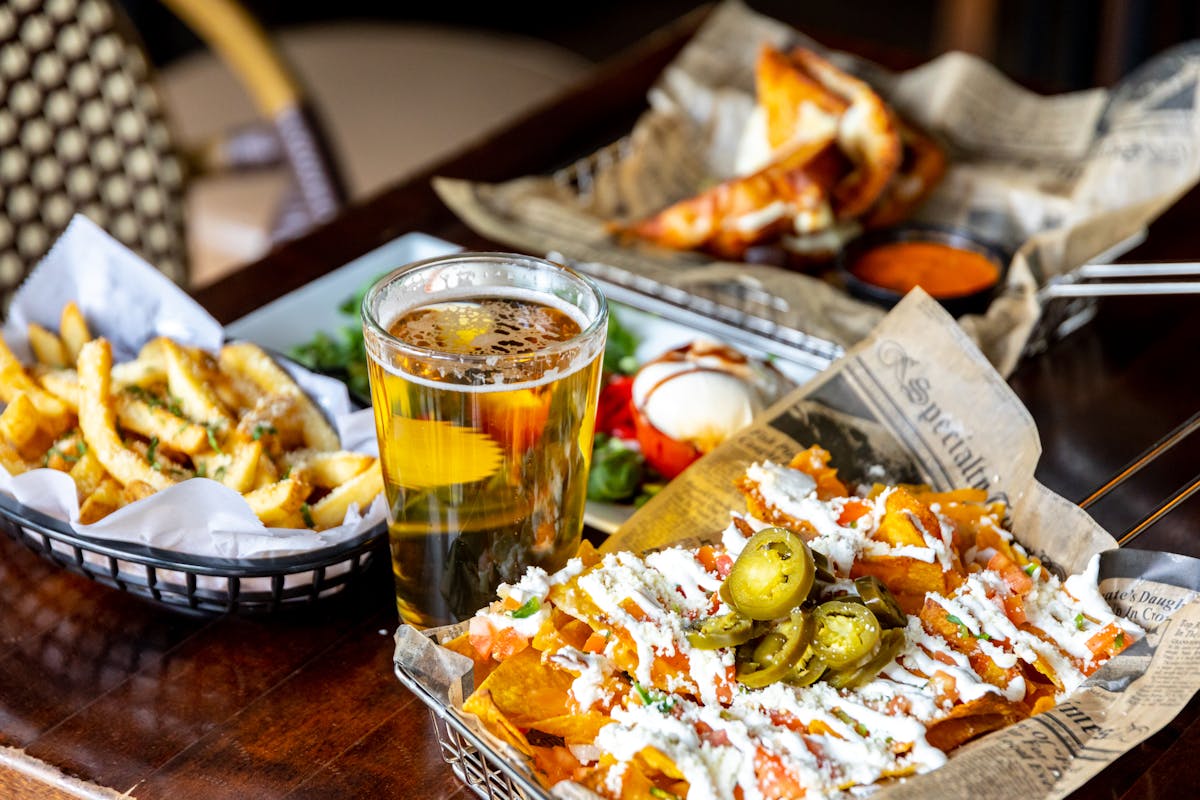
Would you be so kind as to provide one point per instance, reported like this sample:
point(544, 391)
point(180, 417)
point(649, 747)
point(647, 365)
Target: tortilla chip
point(525, 690)
point(461, 644)
point(972, 720)
point(555, 764)
point(905, 577)
point(573, 728)
point(483, 705)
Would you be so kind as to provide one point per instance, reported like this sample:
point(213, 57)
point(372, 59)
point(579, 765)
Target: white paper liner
point(128, 302)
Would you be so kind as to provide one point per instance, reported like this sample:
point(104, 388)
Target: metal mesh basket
point(483, 770)
point(213, 585)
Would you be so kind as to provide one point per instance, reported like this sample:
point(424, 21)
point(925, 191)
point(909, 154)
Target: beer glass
point(485, 372)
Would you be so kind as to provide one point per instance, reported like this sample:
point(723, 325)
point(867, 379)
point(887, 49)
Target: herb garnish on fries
point(125, 431)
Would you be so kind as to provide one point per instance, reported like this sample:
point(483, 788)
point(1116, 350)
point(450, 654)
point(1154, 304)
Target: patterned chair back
point(82, 129)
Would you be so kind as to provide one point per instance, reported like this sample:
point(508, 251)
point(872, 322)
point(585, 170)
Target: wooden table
point(120, 693)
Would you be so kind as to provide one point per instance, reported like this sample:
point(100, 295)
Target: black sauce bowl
point(959, 238)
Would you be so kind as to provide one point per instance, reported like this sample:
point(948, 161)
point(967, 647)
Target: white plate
point(660, 326)
point(295, 317)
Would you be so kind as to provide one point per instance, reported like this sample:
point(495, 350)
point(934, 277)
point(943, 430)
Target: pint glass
point(485, 370)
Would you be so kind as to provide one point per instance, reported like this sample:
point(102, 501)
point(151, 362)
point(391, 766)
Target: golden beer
point(484, 378)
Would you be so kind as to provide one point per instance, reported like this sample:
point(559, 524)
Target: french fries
point(125, 431)
point(74, 331)
point(250, 362)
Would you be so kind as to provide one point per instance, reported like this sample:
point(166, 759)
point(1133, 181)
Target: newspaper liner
point(1057, 180)
point(127, 301)
point(917, 401)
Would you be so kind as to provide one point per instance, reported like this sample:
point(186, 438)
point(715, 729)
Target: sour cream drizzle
point(829, 739)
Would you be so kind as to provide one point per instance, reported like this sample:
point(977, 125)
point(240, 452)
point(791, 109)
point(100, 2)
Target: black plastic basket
point(200, 584)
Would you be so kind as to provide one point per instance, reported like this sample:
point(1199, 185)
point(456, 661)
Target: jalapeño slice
point(807, 670)
point(776, 653)
point(890, 644)
point(772, 575)
point(877, 597)
point(824, 572)
point(727, 630)
point(846, 633)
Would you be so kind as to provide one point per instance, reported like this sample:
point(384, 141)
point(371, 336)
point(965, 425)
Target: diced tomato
point(1013, 575)
point(945, 658)
point(725, 685)
point(714, 603)
point(715, 738)
point(784, 719)
point(719, 564)
point(480, 635)
point(852, 511)
point(492, 643)
point(595, 643)
point(945, 686)
point(614, 413)
point(1108, 641)
point(1014, 607)
point(669, 456)
point(775, 780)
point(508, 643)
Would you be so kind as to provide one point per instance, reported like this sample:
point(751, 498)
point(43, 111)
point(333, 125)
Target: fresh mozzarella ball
point(698, 395)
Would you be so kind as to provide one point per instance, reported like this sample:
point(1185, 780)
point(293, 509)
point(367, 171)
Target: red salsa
point(939, 269)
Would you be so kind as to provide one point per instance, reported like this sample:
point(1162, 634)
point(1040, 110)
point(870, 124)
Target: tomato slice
point(668, 456)
point(614, 412)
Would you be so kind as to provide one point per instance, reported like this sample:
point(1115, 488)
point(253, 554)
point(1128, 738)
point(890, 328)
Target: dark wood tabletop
point(102, 689)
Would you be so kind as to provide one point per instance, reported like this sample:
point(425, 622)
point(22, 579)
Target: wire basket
point(473, 762)
point(199, 584)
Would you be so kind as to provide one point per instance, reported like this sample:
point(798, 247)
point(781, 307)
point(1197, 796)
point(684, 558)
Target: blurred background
point(200, 144)
point(1055, 44)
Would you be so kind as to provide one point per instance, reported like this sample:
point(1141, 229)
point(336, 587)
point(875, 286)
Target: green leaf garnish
point(306, 515)
point(1119, 640)
point(617, 471)
point(962, 626)
point(152, 454)
point(527, 609)
point(261, 429)
point(859, 728)
point(211, 429)
point(654, 699)
point(620, 348)
point(1031, 569)
point(1079, 619)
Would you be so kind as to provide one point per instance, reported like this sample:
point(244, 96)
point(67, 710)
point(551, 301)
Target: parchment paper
point(128, 302)
point(917, 401)
point(1057, 180)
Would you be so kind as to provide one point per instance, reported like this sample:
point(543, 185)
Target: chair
point(396, 96)
point(82, 129)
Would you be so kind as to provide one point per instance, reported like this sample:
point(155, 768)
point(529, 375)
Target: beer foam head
point(485, 326)
point(505, 338)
